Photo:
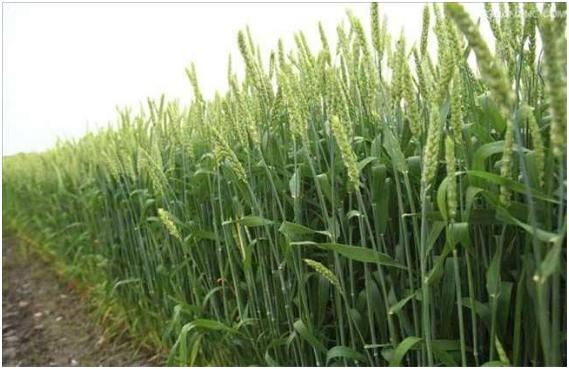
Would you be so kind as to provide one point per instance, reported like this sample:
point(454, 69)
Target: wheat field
point(365, 202)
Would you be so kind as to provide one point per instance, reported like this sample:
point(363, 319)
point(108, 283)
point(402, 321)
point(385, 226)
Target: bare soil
point(45, 322)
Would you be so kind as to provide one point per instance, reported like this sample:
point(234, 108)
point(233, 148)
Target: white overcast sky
point(66, 67)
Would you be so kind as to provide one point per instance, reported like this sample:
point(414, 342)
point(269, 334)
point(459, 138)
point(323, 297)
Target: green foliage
point(338, 207)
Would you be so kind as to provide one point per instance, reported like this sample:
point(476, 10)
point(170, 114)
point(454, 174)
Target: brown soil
point(46, 323)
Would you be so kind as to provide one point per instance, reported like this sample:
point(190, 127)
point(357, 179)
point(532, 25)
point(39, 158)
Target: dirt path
point(45, 323)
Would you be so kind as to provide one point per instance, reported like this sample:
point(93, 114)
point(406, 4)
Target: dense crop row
point(370, 205)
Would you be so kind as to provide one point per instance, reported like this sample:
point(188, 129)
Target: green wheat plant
point(367, 202)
